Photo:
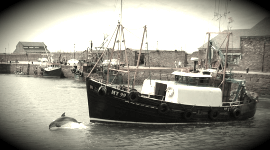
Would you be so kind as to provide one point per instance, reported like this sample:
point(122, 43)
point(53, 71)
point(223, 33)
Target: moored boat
point(49, 67)
point(52, 70)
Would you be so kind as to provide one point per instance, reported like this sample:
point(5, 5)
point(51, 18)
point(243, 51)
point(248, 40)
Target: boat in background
point(52, 70)
point(19, 71)
point(49, 67)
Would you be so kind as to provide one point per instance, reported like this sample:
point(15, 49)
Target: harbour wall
point(29, 69)
point(34, 57)
point(255, 81)
point(157, 58)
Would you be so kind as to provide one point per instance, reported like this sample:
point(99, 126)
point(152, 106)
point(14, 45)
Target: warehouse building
point(30, 48)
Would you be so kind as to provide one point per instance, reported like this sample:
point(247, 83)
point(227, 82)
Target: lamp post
point(74, 51)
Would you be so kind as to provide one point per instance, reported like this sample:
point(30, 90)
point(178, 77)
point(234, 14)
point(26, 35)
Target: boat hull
point(79, 77)
point(116, 107)
point(52, 73)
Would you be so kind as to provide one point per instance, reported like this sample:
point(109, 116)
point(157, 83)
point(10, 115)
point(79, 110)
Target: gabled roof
point(234, 41)
point(260, 29)
point(33, 43)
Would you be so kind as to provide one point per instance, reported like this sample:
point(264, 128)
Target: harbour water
point(29, 104)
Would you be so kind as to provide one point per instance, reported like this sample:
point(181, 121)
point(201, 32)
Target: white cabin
point(176, 92)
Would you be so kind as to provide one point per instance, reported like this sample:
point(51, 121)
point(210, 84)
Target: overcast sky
point(175, 24)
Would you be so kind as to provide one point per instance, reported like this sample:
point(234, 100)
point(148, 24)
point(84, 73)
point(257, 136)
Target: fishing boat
point(50, 68)
point(19, 70)
point(203, 95)
point(207, 94)
point(78, 70)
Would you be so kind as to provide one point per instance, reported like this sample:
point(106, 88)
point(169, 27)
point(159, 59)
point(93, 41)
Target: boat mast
point(126, 56)
point(138, 58)
point(109, 65)
point(225, 65)
point(148, 56)
point(46, 52)
point(208, 49)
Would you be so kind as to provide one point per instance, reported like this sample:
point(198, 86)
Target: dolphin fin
point(63, 115)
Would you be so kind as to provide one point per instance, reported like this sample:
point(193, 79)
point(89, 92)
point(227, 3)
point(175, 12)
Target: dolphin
point(62, 120)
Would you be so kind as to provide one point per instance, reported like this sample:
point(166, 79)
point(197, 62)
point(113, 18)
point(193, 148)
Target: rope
point(101, 55)
point(132, 33)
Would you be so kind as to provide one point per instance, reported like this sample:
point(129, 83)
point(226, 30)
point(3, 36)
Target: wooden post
point(138, 59)
point(224, 70)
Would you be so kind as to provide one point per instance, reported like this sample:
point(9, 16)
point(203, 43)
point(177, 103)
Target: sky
point(68, 25)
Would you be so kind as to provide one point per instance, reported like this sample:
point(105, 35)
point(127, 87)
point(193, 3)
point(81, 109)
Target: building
point(236, 48)
point(30, 48)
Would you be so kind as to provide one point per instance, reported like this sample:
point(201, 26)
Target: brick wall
point(255, 53)
point(259, 83)
point(167, 58)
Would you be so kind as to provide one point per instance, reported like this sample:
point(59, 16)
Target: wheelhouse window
point(197, 81)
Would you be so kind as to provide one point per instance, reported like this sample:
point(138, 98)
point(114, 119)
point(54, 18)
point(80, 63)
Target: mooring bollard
point(247, 70)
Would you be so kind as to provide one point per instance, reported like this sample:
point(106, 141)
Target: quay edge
point(258, 82)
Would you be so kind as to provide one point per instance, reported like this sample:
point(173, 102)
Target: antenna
point(121, 14)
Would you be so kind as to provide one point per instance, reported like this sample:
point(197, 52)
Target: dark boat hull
point(116, 107)
point(52, 73)
point(79, 77)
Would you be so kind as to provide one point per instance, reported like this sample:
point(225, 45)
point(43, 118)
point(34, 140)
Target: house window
point(36, 47)
point(233, 58)
point(25, 47)
point(31, 47)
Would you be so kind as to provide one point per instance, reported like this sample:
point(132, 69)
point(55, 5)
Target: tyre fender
point(213, 114)
point(102, 90)
point(163, 108)
point(188, 114)
point(133, 96)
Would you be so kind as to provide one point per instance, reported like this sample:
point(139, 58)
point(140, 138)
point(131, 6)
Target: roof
point(32, 43)
point(260, 29)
